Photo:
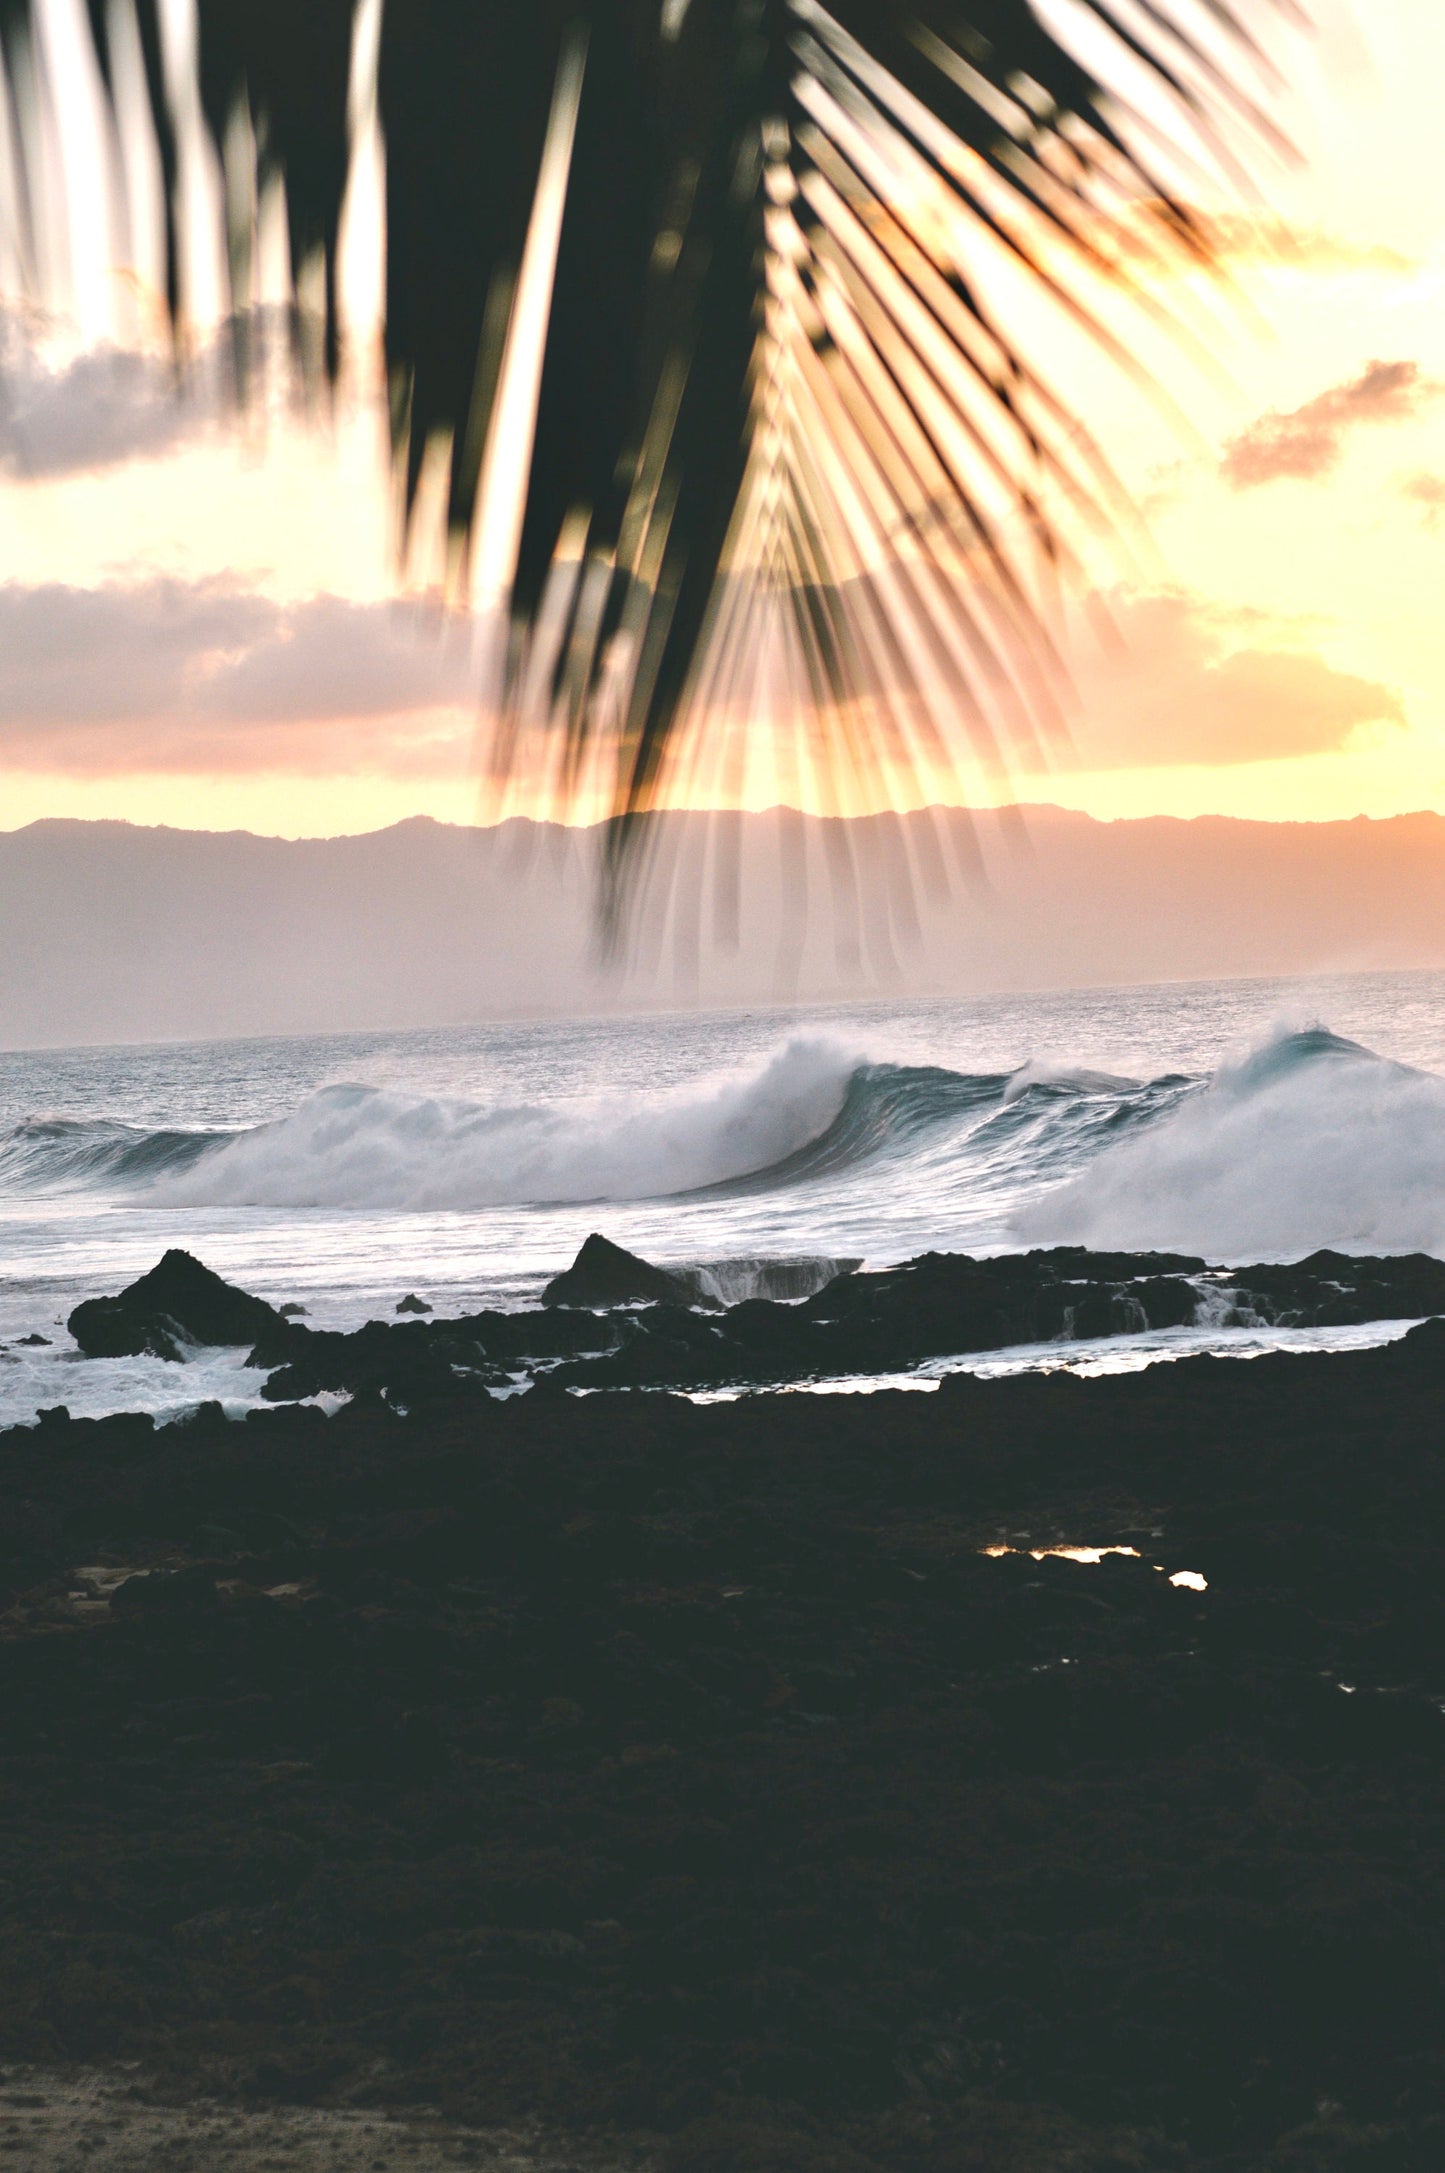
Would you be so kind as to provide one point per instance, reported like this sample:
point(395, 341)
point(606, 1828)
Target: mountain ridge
point(1026, 810)
point(120, 932)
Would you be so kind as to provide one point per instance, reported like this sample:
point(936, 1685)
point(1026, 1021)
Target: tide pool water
point(1243, 1120)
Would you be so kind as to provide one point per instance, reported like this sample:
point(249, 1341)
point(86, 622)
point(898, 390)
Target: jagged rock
point(412, 1362)
point(30, 1341)
point(293, 1311)
point(411, 1303)
point(415, 1359)
point(180, 1302)
point(180, 1592)
point(604, 1274)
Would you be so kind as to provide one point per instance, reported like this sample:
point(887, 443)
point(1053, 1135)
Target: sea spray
point(1308, 1140)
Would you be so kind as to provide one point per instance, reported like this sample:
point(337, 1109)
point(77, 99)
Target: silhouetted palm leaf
point(771, 382)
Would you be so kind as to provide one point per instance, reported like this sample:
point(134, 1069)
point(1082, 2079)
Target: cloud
point(1182, 689)
point(1307, 442)
point(66, 413)
point(167, 674)
point(172, 677)
point(1428, 493)
point(92, 410)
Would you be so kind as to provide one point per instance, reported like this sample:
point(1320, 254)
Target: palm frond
point(777, 410)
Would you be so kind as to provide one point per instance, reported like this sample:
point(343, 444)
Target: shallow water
point(1243, 1120)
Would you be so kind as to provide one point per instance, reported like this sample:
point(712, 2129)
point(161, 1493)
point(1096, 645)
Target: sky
point(205, 624)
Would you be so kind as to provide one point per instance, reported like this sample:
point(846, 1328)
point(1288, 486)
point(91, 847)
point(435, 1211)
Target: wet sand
point(109, 2121)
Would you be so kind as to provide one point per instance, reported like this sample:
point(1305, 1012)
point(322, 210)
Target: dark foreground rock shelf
point(695, 1772)
point(613, 1320)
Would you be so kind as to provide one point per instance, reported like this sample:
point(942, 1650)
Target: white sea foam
point(730, 1282)
point(90, 1387)
point(370, 1147)
point(1307, 1141)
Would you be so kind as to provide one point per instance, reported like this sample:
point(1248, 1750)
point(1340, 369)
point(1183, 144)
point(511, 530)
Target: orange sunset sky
point(199, 626)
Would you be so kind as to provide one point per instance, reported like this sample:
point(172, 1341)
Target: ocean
point(1243, 1120)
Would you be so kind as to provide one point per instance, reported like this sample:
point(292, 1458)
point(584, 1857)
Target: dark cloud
point(198, 675)
point(1307, 442)
point(1180, 691)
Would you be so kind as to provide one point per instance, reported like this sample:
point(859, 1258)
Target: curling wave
point(887, 1111)
point(76, 1154)
point(369, 1147)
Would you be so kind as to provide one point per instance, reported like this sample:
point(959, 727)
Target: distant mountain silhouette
point(116, 933)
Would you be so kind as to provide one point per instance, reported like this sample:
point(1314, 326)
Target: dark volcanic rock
point(408, 1362)
point(176, 1594)
point(936, 1307)
point(604, 1274)
point(944, 1305)
point(415, 1360)
point(411, 1303)
point(1331, 1289)
point(29, 1341)
point(636, 1765)
point(179, 1302)
point(947, 1301)
point(615, 1321)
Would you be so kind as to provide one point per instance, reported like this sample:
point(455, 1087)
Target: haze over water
point(1241, 1120)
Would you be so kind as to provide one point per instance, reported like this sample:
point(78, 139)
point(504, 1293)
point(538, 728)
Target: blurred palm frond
point(788, 447)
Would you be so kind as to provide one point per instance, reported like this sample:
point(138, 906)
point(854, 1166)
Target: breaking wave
point(1307, 1140)
point(810, 1115)
point(370, 1147)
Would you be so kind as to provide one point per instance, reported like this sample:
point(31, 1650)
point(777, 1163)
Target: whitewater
point(1244, 1121)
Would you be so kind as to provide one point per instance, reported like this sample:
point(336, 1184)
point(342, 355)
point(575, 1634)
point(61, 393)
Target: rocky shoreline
point(1040, 1774)
point(613, 1321)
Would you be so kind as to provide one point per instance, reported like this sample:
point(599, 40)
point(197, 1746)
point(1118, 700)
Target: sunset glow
point(1275, 648)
